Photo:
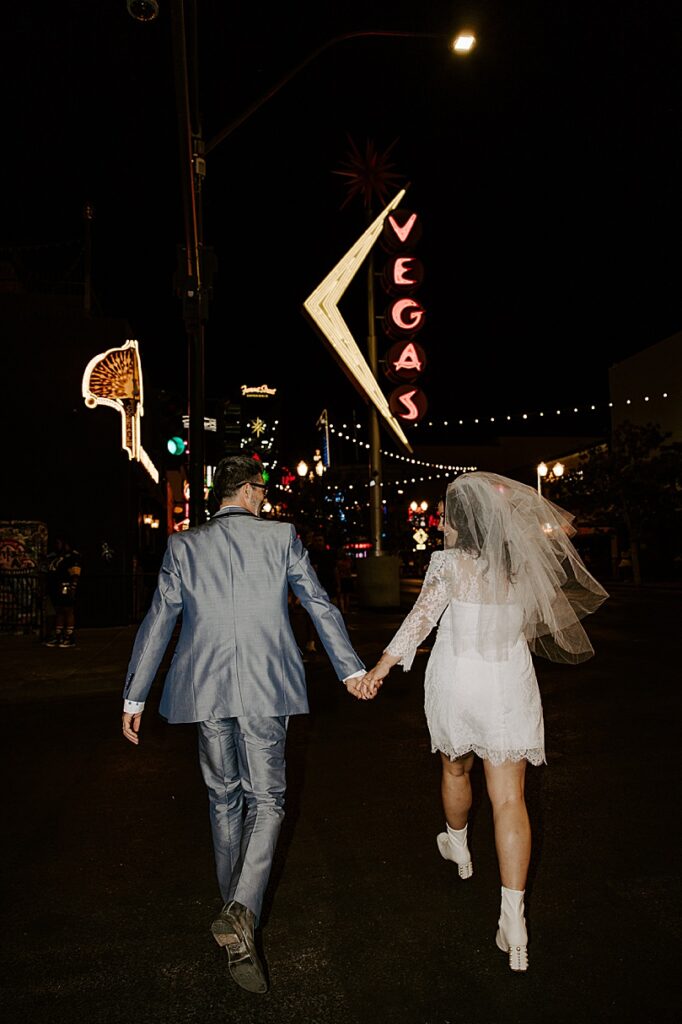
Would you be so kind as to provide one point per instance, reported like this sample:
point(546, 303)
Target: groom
point(237, 672)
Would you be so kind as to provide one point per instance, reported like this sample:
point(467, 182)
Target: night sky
point(545, 167)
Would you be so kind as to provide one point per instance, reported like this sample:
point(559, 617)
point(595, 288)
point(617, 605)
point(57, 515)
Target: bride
point(508, 582)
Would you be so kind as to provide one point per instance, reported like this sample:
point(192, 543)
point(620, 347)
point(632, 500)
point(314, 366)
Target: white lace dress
point(472, 703)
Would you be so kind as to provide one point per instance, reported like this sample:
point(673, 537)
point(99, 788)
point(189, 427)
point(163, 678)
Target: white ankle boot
point(512, 937)
point(453, 846)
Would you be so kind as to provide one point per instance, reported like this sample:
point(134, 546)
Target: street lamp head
point(463, 42)
point(143, 10)
point(542, 469)
point(558, 469)
point(302, 468)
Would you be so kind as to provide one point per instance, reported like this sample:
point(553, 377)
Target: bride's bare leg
point(505, 783)
point(455, 789)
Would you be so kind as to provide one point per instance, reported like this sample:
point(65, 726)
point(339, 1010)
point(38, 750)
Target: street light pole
point(191, 265)
point(190, 283)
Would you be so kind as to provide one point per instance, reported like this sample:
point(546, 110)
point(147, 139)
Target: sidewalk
point(97, 664)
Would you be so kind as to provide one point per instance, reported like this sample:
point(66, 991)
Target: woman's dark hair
point(469, 535)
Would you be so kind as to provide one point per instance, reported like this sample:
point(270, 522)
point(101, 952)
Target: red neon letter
point(409, 360)
point(412, 410)
point(402, 232)
point(401, 267)
point(414, 316)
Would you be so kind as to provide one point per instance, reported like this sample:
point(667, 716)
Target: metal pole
point(374, 439)
point(190, 270)
point(88, 214)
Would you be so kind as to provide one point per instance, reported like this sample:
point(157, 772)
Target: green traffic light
point(175, 445)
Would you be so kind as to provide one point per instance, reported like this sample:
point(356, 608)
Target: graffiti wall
point(23, 550)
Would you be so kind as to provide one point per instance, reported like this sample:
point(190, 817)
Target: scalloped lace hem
point(534, 755)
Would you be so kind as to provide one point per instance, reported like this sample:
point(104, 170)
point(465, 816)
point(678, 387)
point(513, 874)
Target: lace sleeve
point(424, 614)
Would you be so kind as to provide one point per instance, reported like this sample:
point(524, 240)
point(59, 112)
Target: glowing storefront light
point(114, 378)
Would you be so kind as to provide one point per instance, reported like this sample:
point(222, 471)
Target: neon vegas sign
point(404, 318)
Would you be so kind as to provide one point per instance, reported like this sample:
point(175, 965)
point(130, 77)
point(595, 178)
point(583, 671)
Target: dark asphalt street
point(108, 873)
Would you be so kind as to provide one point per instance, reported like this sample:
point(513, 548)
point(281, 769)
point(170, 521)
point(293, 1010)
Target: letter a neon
point(409, 360)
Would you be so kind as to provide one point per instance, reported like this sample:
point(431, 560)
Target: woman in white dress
point(508, 582)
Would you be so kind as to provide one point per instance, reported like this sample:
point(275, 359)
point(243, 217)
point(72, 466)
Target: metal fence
point(111, 599)
point(22, 602)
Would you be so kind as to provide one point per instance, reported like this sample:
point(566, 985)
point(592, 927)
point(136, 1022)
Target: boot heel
point(456, 852)
point(518, 955)
point(512, 937)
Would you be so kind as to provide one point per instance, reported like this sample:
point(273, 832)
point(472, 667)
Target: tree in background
point(635, 485)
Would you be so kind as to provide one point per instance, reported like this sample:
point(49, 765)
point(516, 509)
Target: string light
point(585, 409)
point(443, 470)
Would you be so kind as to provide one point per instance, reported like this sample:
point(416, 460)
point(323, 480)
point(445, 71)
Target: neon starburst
point(369, 174)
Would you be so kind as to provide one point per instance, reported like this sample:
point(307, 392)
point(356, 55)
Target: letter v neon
point(403, 232)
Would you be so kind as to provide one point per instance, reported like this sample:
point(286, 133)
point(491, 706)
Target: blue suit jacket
point(236, 653)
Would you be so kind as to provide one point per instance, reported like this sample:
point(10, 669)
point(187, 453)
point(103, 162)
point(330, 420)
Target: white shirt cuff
point(356, 675)
point(132, 707)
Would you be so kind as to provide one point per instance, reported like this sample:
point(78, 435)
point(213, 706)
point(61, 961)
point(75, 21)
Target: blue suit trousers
point(242, 761)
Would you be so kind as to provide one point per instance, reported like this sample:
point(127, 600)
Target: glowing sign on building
point(254, 392)
point(322, 308)
point(114, 378)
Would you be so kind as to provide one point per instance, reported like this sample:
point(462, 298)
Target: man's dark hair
point(232, 472)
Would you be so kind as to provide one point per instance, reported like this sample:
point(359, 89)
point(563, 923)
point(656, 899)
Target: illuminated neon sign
point(254, 392)
point(405, 316)
point(405, 361)
point(322, 308)
point(408, 403)
point(114, 378)
point(402, 272)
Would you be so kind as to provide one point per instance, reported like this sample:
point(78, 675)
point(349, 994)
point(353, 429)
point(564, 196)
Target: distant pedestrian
point(63, 576)
point(344, 580)
point(323, 560)
point(508, 582)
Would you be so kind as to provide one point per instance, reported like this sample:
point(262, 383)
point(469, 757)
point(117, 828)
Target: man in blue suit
point(238, 673)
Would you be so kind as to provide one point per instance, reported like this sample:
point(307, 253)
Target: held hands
point(354, 685)
point(366, 687)
point(374, 679)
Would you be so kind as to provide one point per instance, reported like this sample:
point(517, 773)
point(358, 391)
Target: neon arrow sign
point(322, 308)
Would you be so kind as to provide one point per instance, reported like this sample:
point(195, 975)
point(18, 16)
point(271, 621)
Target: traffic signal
point(176, 446)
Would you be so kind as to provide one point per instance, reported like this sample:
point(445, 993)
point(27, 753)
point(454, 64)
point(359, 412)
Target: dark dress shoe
point(233, 928)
